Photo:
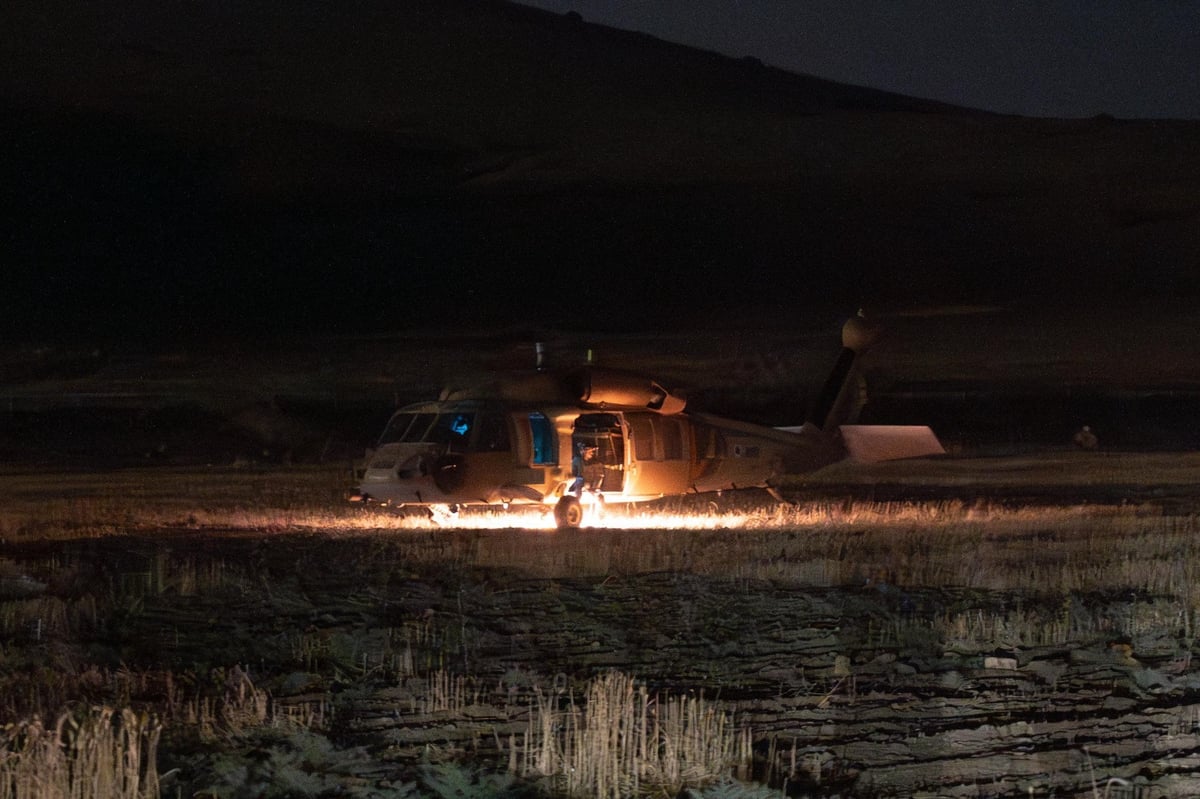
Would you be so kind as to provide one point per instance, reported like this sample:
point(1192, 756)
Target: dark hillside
point(177, 170)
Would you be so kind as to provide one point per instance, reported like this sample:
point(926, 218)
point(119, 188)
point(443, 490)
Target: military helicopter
point(584, 436)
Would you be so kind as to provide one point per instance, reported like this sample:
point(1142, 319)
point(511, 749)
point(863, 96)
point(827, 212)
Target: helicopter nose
point(413, 467)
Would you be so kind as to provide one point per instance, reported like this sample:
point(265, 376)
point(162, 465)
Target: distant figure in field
point(1085, 439)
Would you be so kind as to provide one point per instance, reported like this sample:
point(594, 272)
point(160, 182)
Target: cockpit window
point(420, 427)
point(545, 449)
point(459, 431)
point(453, 429)
point(396, 427)
point(407, 427)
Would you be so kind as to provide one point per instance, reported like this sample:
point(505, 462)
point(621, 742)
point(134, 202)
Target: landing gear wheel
point(568, 513)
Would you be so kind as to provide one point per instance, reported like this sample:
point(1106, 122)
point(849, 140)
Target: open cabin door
point(598, 446)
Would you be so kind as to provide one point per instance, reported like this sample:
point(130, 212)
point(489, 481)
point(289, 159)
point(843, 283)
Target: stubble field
point(1015, 626)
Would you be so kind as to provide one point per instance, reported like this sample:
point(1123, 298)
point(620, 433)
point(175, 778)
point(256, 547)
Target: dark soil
point(853, 682)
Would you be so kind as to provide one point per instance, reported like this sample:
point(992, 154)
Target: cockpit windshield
point(407, 427)
point(455, 430)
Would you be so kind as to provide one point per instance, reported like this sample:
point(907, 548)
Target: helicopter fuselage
point(588, 434)
point(481, 452)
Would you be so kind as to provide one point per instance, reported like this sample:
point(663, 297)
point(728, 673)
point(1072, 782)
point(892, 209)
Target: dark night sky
point(1051, 58)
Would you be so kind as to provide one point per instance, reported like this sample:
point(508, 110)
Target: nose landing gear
point(442, 515)
point(568, 513)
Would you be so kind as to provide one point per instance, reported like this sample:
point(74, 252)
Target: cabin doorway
point(598, 452)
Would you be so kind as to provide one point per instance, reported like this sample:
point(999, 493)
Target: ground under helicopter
point(584, 436)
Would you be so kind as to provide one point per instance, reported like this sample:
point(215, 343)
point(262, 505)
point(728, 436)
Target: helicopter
point(576, 438)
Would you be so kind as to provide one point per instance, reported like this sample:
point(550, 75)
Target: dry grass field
point(244, 632)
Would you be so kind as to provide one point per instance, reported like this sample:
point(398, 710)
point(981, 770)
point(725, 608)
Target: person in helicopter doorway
point(586, 468)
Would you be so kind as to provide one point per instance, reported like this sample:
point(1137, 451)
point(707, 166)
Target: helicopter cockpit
point(455, 427)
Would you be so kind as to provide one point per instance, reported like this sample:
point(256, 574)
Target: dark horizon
point(1054, 58)
point(546, 171)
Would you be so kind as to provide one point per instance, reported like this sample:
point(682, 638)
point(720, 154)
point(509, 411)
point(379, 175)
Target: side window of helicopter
point(453, 429)
point(493, 433)
point(709, 442)
point(672, 439)
point(642, 433)
point(544, 439)
point(656, 438)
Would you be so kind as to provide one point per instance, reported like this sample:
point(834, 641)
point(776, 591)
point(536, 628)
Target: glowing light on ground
point(649, 517)
point(610, 519)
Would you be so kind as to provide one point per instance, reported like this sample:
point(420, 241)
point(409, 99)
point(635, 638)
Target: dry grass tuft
point(101, 754)
point(624, 742)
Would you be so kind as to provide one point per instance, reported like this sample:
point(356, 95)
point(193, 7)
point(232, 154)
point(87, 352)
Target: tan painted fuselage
point(588, 434)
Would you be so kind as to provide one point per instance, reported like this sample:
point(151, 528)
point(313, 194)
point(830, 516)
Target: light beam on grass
point(769, 517)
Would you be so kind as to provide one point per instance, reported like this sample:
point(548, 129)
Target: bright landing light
point(608, 519)
point(653, 516)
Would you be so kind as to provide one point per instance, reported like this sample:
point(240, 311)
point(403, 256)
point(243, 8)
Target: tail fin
point(839, 396)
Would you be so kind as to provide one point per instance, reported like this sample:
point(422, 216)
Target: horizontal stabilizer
point(872, 443)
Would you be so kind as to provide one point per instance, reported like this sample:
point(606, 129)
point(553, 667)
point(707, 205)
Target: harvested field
point(968, 643)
